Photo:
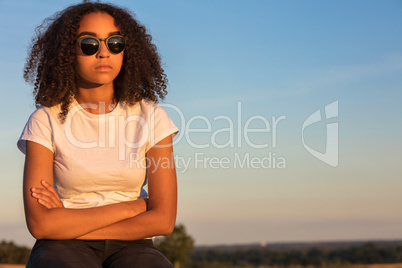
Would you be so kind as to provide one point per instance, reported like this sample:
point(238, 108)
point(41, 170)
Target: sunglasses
point(91, 45)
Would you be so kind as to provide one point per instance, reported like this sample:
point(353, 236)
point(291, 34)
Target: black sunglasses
point(90, 45)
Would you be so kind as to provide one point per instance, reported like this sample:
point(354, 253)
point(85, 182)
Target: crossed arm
point(47, 218)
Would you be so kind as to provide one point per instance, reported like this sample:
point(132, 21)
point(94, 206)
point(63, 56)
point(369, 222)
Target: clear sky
point(248, 75)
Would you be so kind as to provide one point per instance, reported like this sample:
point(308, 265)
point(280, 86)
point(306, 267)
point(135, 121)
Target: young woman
point(95, 140)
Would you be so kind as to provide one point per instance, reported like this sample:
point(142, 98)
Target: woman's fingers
point(45, 203)
point(47, 196)
point(55, 196)
point(42, 198)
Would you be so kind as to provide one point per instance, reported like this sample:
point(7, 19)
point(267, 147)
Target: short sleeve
point(161, 125)
point(38, 130)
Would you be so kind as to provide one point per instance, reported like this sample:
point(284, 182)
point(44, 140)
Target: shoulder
point(144, 108)
point(147, 104)
point(39, 128)
point(43, 113)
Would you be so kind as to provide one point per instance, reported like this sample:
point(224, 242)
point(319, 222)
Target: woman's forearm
point(160, 217)
point(116, 221)
point(145, 225)
point(59, 222)
point(64, 223)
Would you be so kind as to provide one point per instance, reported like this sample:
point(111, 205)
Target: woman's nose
point(103, 50)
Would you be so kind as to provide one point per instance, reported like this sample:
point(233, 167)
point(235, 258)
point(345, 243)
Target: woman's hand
point(47, 196)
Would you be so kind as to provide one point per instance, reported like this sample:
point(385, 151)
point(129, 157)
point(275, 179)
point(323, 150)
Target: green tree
point(176, 246)
point(12, 254)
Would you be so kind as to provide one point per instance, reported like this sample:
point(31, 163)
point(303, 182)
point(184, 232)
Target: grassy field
point(393, 265)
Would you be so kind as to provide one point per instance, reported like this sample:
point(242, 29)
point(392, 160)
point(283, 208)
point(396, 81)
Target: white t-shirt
point(99, 159)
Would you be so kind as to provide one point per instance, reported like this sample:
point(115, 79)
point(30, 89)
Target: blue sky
point(270, 59)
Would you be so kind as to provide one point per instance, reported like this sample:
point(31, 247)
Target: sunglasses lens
point(89, 46)
point(116, 44)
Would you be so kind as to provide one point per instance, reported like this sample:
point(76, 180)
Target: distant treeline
point(281, 255)
point(12, 254)
point(318, 255)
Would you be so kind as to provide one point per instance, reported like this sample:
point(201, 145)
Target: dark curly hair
point(50, 65)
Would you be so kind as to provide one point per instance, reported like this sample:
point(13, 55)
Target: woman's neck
point(97, 100)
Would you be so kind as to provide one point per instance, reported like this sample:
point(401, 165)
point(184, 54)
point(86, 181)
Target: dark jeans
point(96, 253)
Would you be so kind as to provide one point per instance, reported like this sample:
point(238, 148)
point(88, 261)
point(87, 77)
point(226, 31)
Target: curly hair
point(50, 65)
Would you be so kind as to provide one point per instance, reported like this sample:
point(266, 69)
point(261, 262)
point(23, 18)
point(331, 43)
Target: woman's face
point(102, 67)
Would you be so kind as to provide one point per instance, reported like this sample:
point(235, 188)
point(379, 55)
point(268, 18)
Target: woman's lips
point(103, 67)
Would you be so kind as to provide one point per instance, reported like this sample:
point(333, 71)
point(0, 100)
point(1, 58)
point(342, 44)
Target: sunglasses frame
point(79, 40)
